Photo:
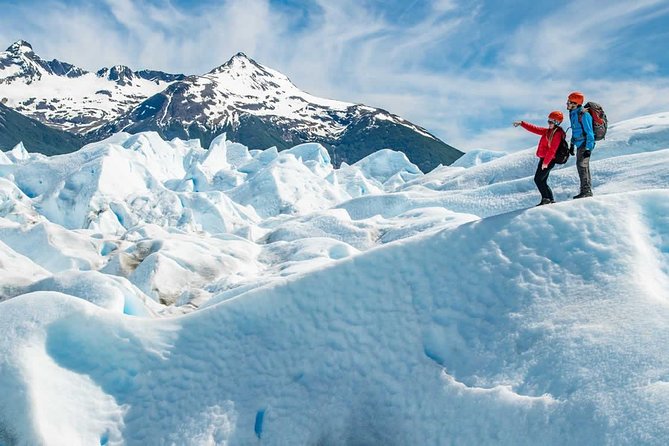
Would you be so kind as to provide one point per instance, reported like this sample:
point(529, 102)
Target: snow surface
point(82, 96)
point(154, 292)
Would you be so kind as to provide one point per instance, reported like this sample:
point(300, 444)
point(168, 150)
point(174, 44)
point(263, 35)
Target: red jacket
point(549, 141)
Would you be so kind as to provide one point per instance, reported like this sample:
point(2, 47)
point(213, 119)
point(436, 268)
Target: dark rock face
point(64, 69)
point(153, 75)
point(36, 137)
point(120, 74)
point(123, 75)
point(365, 135)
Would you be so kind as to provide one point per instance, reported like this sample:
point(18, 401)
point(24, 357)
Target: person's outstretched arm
point(531, 127)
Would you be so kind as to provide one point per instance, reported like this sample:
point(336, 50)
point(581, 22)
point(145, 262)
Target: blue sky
point(463, 69)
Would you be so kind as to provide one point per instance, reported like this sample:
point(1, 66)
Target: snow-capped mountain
point(221, 98)
point(154, 292)
point(20, 63)
point(69, 98)
point(261, 107)
point(253, 104)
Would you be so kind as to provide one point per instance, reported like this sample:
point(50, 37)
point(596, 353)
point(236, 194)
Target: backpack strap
point(580, 121)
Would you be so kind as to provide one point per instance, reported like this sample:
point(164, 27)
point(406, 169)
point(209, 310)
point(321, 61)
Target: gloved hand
point(571, 149)
point(586, 154)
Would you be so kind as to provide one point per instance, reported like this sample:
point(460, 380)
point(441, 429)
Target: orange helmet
point(576, 97)
point(556, 117)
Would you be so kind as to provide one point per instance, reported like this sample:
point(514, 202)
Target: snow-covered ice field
point(156, 293)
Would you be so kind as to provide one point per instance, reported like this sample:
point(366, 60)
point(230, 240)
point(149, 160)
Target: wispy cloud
point(464, 70)
point(577, 36)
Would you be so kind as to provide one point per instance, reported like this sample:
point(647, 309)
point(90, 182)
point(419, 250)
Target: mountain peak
point(30, 67)
point(244, 76)
point(115, 72)
point(239, 61)
point(20, 47)
point(120, 74)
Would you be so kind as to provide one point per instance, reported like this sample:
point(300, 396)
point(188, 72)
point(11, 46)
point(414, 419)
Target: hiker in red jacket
point(548, 145)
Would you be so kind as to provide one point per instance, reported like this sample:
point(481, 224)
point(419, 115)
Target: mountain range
point(253, 104)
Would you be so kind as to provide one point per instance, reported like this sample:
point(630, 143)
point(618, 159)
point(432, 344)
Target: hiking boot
point(546, 201)
point(583, 195)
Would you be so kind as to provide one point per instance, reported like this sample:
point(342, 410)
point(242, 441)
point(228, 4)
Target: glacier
point(154, 292)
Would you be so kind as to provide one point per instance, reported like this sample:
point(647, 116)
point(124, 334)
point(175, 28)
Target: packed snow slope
point(157, 293)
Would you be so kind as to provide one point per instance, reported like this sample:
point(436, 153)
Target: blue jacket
point(582, 131)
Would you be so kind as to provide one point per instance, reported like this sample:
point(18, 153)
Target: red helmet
point(576, 97)
point(556, 117)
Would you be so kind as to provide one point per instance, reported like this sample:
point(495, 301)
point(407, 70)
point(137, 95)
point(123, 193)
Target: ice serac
point(18, 153)
point(17, 272)
point(4, 159)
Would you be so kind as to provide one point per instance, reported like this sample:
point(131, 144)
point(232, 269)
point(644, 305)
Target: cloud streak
point(462, 70)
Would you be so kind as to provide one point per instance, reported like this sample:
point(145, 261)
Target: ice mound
point(155, 292)
point(477, 157)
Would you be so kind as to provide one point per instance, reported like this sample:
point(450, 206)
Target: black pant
point(541, 179)
point(583, 167)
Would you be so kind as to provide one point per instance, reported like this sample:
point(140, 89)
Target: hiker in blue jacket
point(583, 138)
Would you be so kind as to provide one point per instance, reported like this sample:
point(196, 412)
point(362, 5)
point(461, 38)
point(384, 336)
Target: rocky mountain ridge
point(255, 105)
